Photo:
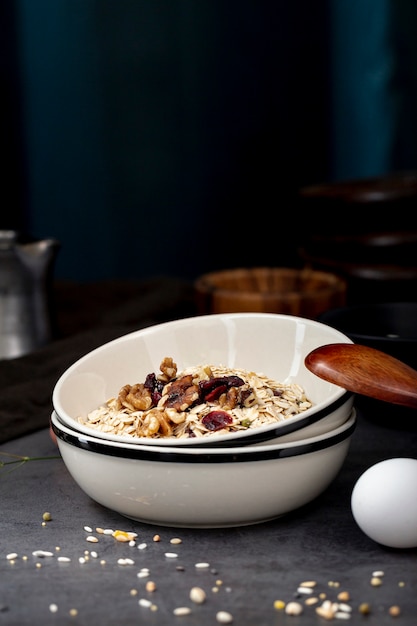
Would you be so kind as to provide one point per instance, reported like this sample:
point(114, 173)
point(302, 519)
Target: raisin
point(216, 420)
point(155, 387)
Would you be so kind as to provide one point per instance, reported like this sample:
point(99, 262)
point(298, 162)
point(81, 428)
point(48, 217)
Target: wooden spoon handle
point(366, 371)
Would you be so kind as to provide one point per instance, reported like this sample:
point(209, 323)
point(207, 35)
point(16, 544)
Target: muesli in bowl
point(230, 380)
point(196, 402)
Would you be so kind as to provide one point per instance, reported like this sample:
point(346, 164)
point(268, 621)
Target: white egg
point(384, 503)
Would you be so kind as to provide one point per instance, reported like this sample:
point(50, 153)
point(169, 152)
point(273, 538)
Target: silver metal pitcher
point(25, 298)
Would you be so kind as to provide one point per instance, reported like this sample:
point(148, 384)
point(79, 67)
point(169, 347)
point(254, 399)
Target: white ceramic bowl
point(203, 487)
point(273, 344)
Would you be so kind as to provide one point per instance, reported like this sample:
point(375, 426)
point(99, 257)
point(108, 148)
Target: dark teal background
point(171, 137)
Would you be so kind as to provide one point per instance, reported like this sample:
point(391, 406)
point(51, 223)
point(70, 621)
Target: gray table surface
point(249, 568)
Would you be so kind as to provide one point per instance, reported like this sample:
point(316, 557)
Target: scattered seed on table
point(182, 610)
point(142, 546)
point(91, 539)
point(310, 601)
point(279, 605)
point(394, 611)
point(47, 516)
point(202, 565)
point(156, 538)
point(63, 559)
point(53, 608)
point(224, 617)
point(378, 574)
point(294, 608)
point(308, 583)
point(73, 612)
point(145, 602)
point(150, 586)
point(88, 529)
point(171, 555)
point(175, 540)
point(364, 608)
point(376, 581)
point(343, 596)
point(12, 556)
point(93, 554)
point(305, 590)
point(197, 595)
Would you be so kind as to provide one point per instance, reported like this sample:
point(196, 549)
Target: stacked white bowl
point(222, 478)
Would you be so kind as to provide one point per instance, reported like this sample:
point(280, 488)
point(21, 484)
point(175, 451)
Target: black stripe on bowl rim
point(250, 454)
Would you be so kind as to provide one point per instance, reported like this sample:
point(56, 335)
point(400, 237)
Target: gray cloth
point(26, 383)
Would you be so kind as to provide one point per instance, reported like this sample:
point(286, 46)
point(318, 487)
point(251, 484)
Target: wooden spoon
point(365, 371)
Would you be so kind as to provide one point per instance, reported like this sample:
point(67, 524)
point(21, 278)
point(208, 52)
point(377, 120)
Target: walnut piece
point(168, 369)
point(155, 423)
point(181, 393)
point(135, 397)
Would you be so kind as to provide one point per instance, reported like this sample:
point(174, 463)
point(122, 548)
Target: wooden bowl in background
point(302, 292)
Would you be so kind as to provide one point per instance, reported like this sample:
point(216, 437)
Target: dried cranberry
point(216, 420)
point(208, 387)
point(215, 393)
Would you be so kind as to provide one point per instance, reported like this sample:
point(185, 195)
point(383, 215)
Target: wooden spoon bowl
point(365, 371)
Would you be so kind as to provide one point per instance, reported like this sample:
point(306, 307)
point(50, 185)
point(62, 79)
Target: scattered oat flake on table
point(125, 562)
point(182, 610)
point(123, 535)
point(42, 553)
